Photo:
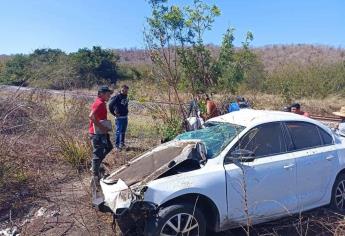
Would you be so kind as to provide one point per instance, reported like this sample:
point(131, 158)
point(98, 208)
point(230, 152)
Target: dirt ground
point(66, 209)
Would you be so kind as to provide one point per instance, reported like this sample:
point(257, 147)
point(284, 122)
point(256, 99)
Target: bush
point(54, 69)
point(167, 120)
point(15, 70)
point(316, 80)
point(134, 72)
point(170, 128)
point(74, 151)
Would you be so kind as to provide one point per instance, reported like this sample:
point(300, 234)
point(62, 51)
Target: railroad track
point(326, 118)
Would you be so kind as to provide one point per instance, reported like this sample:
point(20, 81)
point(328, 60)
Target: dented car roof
point(250, 117)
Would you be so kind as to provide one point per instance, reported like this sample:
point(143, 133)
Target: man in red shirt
point(98, 129)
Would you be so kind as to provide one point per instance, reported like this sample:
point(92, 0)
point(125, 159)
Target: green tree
point(15, 70)
point(62, 74)
point(41, 67)
point(229, 73)
point(96, 66)
point(174, 38)
point(196, 58)
point(163, 36)
point(250, 66)
point(53, 68)
point(238, 66)
point(46, 55)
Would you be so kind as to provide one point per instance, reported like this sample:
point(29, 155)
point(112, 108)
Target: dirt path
point(66, 210)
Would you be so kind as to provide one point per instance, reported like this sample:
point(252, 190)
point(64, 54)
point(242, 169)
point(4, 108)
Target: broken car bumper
point(133, 219)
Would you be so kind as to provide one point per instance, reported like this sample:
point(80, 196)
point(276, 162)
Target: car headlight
point(126, 195)
point(138, 190)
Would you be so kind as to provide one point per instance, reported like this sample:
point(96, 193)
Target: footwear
point(96, 190)
point(123, 147)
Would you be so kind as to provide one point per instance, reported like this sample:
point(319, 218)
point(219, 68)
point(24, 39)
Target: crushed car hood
point(158, 161)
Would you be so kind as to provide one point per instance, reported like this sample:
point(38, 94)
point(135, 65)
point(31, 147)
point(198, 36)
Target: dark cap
point(104, 89)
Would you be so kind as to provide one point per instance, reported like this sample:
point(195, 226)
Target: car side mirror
point(243, 155)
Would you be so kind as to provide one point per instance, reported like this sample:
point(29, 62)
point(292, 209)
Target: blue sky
point(72, 24)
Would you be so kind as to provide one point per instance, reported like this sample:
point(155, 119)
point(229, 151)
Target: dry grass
point(39, 156)
point(21, 153)
point(146, 91)
point(28, 153)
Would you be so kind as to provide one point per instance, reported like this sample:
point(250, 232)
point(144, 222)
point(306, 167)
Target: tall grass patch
point(299, 81)
point(74, 151)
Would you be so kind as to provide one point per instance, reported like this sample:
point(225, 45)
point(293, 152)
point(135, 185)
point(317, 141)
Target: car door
point(265, 187)
point(316, 161)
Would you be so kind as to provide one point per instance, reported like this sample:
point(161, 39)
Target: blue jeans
point(121, 127)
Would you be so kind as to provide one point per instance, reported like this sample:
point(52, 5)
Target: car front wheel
point(180, 219)
point(338, 194)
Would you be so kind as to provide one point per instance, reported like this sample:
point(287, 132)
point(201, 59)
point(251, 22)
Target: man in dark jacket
point(118, 106)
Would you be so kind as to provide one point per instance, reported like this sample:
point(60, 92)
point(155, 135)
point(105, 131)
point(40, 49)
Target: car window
point(326, 138)
point(304, 135)
point(263, 140)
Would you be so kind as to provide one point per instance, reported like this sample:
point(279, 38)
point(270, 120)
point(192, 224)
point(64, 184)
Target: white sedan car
point(246, 167)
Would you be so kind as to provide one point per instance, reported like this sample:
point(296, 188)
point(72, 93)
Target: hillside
point(276, 55)
point(272, 56)
point(4, 57)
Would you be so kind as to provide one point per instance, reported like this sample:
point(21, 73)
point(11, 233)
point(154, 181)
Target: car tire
point(167, 221)
point(338, 194)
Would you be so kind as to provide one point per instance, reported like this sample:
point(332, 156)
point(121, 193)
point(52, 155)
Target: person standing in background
point(296, 108)
point(341, 125)
point(234, 106)
point(211, 108)
point(118, 107)
point(194, 119)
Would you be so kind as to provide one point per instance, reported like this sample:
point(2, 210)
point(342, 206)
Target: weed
point(170, 128)
point(74, 151)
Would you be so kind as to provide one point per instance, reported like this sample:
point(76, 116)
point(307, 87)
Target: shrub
point(54, 69)
point(317, 80)
point(74, 151)
point(170, 128)
point(15, 70)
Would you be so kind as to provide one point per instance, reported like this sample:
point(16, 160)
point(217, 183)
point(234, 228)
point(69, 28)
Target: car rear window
point(304, 135)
